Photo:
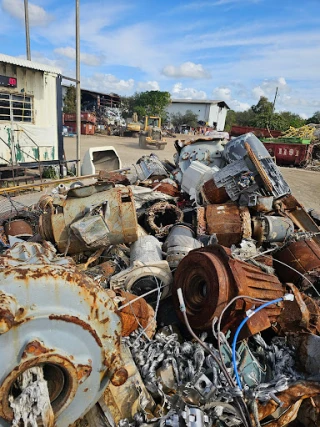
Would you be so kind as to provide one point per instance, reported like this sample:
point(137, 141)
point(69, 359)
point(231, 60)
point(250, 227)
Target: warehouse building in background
point(211, 113)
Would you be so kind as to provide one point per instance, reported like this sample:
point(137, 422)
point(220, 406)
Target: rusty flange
point(210, 278)
point(207, 285)
point(55, 317)
point(161, 216)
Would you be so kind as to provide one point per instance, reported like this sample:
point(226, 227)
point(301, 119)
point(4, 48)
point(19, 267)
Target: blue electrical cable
point(235, 339)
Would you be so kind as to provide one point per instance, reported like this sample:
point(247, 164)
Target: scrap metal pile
point(179, 294)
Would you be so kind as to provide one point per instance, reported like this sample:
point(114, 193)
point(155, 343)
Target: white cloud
point(187, 93)
point(188, 70)
point(206, 4)
point(108, 83)
point(236, 105)
point(288, 99)
point(225, 94)
point(268, 88)
point(38, 17)
point(86, 58)
point(150, 85)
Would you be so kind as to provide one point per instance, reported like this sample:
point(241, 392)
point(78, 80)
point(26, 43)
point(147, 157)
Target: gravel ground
point(305, 185)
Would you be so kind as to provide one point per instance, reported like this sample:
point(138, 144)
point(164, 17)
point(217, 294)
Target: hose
point(250, 313)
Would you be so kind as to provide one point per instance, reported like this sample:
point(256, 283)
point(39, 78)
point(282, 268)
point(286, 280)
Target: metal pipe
point(78, 89)
point(54, 183)
point(69, 78)
point(26, 20)
point(5, 191)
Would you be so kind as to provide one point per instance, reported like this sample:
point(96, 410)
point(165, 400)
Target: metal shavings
point(33, 404)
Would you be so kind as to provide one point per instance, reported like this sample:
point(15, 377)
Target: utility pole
point(272, 111)
point(78, 89)
point(26, 20)
point(274, 101)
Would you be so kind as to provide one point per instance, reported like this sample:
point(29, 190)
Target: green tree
point(127, 106)
point(231, 120)
point(189, 119)
point(261, 115)
point(150, 103)
point(177, 119)
point(69, 101)
point(282, 121)
point(263, 112)
point(246, 118)
point(153, 103)
point(315, 118)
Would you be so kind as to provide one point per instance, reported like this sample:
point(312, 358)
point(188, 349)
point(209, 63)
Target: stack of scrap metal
point(183, 293)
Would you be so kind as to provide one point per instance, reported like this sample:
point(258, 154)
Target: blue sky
point(235, 50)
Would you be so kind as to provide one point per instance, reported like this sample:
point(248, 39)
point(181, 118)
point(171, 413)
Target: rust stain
point(6, 320)
point(213, 194)
point(6, 411)
point(18, 227)
point(113, 177)
point(303, 256)
point(290, 207)
point(166, 188)
point(119, 377)
point(300, 390)
point(77, 321)
point(35, 348)
point(228, 222)
point(161, 216)
point(211, 274)
point(138, 313)
point(83, 372)
point(201, 221)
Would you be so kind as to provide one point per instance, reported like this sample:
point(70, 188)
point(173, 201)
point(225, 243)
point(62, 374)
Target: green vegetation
point(261, 116)
point(150, 103)
point(315, 118)
point(70, 100)
point(189, 119)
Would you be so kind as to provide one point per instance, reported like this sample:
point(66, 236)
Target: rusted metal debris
point(211, 274)
point(90, 217)
point(96, 281)
point(161, 216)
point(229, 222)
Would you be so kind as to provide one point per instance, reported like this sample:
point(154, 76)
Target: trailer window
point(17, 108)
point(4, 106)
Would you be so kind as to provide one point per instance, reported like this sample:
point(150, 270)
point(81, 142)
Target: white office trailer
point(30, 112)
point(209, 112)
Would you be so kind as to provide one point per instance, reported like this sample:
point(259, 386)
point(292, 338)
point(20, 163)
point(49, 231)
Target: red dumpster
point(85, 117)
point(289, 154)
point(258, 132)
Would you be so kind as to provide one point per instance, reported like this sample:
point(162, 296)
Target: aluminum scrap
point(198, 380)
point(34, 402)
